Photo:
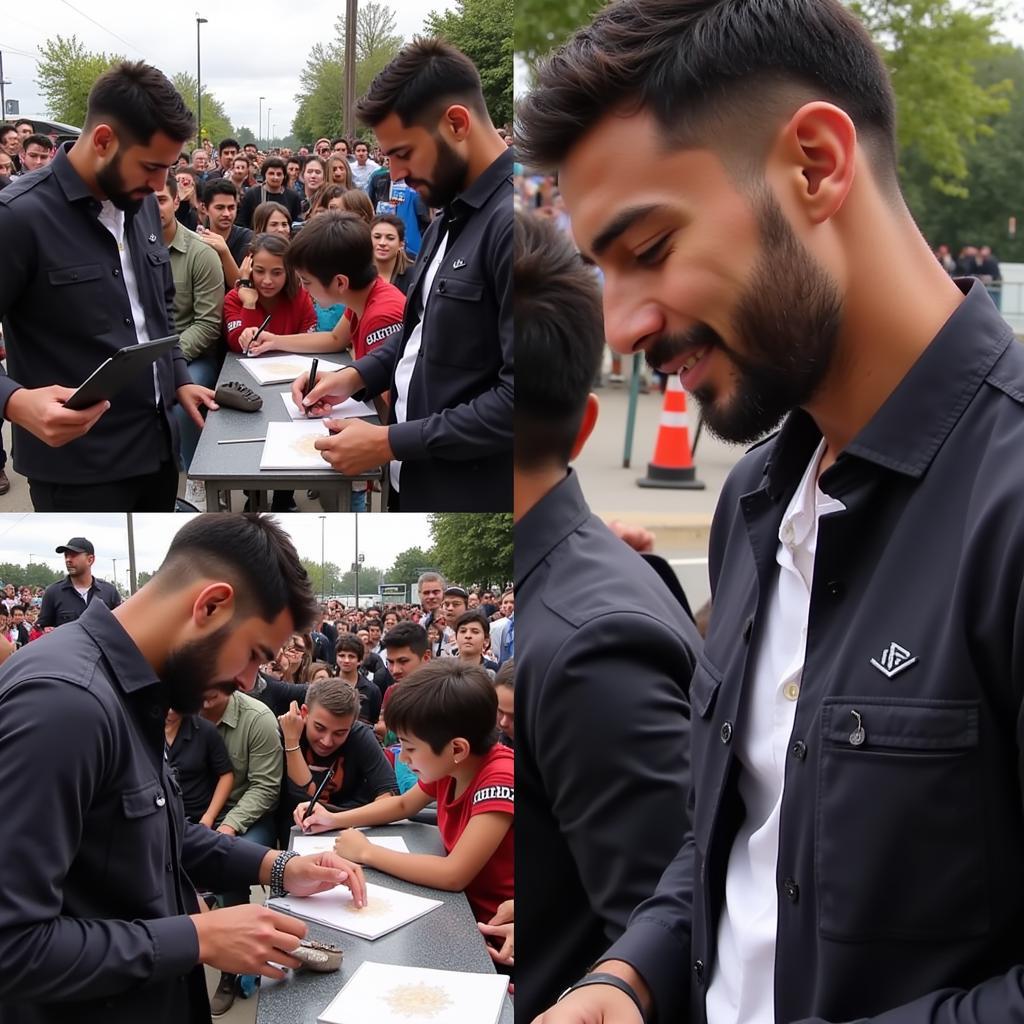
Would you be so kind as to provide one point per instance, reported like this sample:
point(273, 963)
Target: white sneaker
point(195, 494)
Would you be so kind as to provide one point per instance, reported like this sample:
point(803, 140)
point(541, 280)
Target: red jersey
point(493, 789)
point(382, 317)
point(290, 316)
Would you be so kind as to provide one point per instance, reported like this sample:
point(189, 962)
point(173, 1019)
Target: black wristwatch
point(602, 978)
point(244, 283)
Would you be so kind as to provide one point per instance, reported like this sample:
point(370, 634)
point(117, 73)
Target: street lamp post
point(271, 139)
point(199, 85)
point(323, 574)
point(355, 565)
point(259, 126)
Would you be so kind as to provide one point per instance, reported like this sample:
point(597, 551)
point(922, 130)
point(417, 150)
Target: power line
point(104, 27)
point(20, 53)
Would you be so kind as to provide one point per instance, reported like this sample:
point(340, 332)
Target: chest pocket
point(82, 294)
point(899, 849)
point(458, 337)
point(140, 846)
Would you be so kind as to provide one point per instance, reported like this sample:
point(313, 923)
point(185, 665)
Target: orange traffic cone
point(672, 465)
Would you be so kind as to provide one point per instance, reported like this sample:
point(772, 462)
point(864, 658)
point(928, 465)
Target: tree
point(65, 73)
point(473, 548)
point(244, 135)
point(408, 566)
point(540, 26)
point(321, 98)
point(482, 29)
point(34, 574)
point(216, 123)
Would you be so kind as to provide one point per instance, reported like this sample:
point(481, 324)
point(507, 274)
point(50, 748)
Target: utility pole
point(3, 82)
point(132, 575)
point(259, 127)
point(199, 85)
point(351, 15)
point(355, 564)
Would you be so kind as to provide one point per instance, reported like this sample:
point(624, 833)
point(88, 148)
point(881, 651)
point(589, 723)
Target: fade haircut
point(335, 696)
point(425, 78)
point(138, 101)
point(407, 634)
point(717, 74)
point(443, 699)
point(249, 551)
point(219, 187)
point(560, 333)
point(335, 243)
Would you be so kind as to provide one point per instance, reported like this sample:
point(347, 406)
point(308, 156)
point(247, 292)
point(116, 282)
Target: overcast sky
point(381, 538)
point(248, 50)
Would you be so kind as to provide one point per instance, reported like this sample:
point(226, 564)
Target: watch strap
point(603, 978)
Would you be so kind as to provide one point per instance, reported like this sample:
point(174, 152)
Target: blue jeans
point(204, 370)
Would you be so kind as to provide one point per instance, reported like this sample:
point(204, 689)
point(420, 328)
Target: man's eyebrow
point(620, 224)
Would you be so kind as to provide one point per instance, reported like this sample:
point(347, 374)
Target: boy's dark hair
point(219, 187)
point(506, 675)
point(277, 245)
point(407, 634)
point(426, 77)
point(335, 243)
point(249, 551)
point(25, 120)
point(36, 139)
point(138, 101)
point(340, 138)
point(394, 220)
point(228, 142)
point(559, 334)
point(275, 161)
point(334, 695)
point(443, 699)
point(473, 615)
point(349, 642)
point(190, 171)
point(721, 74)
point(5, 129)
point(172, 184)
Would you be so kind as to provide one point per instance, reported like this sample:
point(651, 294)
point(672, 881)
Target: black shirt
point(199, 757)
point(99, 863)
point(62, 603)
point(65, 309)
point(277, 694)
point(369, 699)
point(238, 243)
point(289, 199)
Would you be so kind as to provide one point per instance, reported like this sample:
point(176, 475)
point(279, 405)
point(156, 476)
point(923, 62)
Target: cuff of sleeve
point(376, 376)
point(654, 952)
point(175, 946)
point(244, 861)
point(406, 440)
point(7, 388)
point(181, 374)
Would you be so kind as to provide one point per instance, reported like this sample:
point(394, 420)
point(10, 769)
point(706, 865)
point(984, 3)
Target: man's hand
point(331, 389)
point(353, 845)
point(241, 940)
point(502, 926)
point(595, 1004)
point(267, 342)
point(636, 537)
point(321, 820)
point(212, 239)
point(193, 397)
point(227, 830)
point(42, 412)
point(292, 724)
point(354, 446)
point(319, 872)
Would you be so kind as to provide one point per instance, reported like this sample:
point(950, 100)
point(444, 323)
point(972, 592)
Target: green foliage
point(540, 26)
point(66, 72)
point(472, 548)
point(33, 574)
point(409, 564)
point(482, 29)
point(216, 123)
point(244, 135)
point(321, 110)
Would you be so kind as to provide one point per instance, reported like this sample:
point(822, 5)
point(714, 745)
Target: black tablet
point(120, 370)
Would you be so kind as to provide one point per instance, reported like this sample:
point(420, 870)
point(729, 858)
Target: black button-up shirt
point(97, 857)
point(456, 443)
point(62, 603)
point(198, 757)
point(65, 309)
point(901, 840)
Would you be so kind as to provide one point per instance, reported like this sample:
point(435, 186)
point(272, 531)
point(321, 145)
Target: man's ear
point(457, 120)
point(216, 601)
point(590, 414)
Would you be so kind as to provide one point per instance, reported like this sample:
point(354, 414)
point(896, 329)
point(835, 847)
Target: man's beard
point(788, 319)
point(189, 670)
point(447, 178)
point(109, 178)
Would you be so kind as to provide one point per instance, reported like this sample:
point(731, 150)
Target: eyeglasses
point(293, 649)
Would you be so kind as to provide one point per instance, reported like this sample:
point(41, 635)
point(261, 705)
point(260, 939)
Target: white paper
point(391, 994)
point(283, 367)
point(345, 410)
point(385, 910)
point(290, 445)
point(306, 845)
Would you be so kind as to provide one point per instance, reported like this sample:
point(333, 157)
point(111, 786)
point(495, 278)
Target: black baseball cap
point(77, 546)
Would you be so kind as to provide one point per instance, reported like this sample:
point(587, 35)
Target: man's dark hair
point(506, 675)
point(25, 120)
point(228, 142)
point(249, 551)
point(340, 138)
point(335, 696)
point(138, 101)
point(6, 129)
point(443, 699)
point(559, 335)
point(190, 171)
point(36, 139)
point(473, 615)
point(426, 77)
point(721, 74)
point(349, 642)
point(275, 161)
point(335, 243)
point(219, 187)
point(407, 634)
point(172, 184)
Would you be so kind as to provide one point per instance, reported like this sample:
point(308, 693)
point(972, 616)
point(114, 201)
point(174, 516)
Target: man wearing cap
point(66, 599)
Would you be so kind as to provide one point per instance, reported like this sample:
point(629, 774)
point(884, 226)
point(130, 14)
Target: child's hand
point(352, 845)
point(321, 820)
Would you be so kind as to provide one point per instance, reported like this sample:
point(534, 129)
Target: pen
point(316, 796)
point(242, 440)
point(311, 383)
point(258, 333)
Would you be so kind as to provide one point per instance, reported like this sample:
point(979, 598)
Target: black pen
point(310, 384)
point(316, 795)
point(259, 331)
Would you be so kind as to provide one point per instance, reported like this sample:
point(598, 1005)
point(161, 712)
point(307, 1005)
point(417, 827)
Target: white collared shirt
point(743, 981)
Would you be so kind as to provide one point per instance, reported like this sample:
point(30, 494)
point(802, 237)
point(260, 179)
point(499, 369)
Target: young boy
point(444, 715)
point(504, 688)
point(472, 631)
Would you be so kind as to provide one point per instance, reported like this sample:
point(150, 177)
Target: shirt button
point(791, 691)
point(127, 321)
point(799, 750)
point(698, 970)
point(168, 868)
point(116, 272)
point(791, 889)
point(160, 800)
point(726, 732)
point(835, 588)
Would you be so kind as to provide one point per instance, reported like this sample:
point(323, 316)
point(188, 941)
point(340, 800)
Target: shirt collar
point(130, 669)
point(68, 178)
point(480, 191)
point(561, 511)
point(232, 711)
point(180, 240)
point(915, 420)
